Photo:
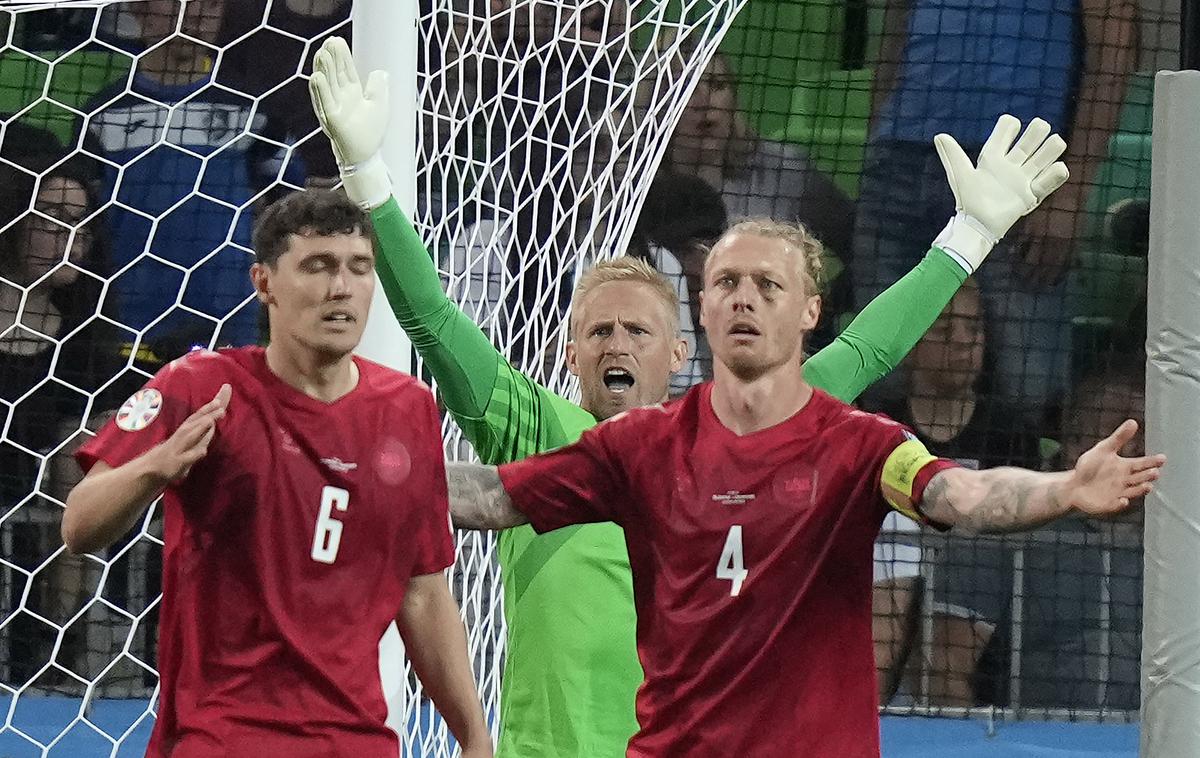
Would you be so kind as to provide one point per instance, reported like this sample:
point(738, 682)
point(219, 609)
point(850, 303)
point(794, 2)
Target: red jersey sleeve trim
point(927, 472)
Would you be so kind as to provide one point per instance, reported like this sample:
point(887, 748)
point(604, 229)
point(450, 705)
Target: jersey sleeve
point(886, 330)
point(148, 417)
point(581, 483)
point(906, 472)
point(503, 413)
point(462, 359)
point(434, 541)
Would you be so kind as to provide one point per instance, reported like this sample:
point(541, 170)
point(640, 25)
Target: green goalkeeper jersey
point(571, 669)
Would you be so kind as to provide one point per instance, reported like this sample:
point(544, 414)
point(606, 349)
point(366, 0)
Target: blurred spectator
point(754, 175)
point(681, 219)
point(189, 160)
point(947, 404)
point(1068, 659)
point(947, 408)
point(54, 355)
point(955, 67)
point(265, 53)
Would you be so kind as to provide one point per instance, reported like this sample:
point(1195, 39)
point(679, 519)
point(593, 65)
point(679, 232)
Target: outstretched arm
point(463, 361)
point(478, 499)
point(1009, 181)
point(1012, 499)
point(504, 414)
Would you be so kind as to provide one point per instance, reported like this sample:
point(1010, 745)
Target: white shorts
point(896, 560)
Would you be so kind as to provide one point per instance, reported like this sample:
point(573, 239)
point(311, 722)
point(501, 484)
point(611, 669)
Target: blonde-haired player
point(571, 667)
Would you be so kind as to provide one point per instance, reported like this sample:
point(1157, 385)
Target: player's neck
point(747, 406)
point(324, 380)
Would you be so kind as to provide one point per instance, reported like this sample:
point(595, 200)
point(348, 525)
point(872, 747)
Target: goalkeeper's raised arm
point(1009, 181)
point(354, 116)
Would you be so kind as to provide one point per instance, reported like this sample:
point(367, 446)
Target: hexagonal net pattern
point(138, 140)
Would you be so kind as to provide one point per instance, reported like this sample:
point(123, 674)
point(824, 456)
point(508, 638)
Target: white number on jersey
point(731, 566)
point(329, 530)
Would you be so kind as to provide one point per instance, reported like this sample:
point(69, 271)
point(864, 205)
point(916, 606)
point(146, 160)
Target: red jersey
point(752, 567)
point(287, 551)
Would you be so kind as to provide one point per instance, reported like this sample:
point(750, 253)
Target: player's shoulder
point(191, 379)
point(201, 366)
point(846, 418)
point(389, 386)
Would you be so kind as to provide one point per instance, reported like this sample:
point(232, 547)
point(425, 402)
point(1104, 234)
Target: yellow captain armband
point(899, 474)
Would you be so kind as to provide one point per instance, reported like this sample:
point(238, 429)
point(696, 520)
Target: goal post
point(1171, 617)
point(385, 37)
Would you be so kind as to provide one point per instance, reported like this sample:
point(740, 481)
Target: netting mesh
point(143, 137)
point(138, 142)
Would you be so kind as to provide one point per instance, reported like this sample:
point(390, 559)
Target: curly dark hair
point(313, 212)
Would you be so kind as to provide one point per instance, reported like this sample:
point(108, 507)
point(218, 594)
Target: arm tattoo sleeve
point(997, 500)
point(478, 499)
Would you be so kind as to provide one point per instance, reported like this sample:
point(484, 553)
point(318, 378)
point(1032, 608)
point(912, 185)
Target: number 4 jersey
point(752, 566)
point(287, 551)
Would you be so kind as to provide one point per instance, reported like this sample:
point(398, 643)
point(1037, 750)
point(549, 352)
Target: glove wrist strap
point(966, 240)
point(367, 184)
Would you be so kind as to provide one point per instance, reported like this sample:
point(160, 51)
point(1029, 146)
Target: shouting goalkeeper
point(571, 670)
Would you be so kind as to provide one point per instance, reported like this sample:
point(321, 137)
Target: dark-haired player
point(304, 510)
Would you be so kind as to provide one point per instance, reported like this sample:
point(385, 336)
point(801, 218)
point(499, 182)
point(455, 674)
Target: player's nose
point(619, 343)
point(339, 284)
point(745, 296)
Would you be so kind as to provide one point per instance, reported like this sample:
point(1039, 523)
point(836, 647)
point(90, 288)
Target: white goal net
point(137, 142)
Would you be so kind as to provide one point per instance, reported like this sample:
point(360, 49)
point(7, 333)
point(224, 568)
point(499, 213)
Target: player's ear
point(260, 276)
point(572, 358)
point(679, 354)
point(702, 319)
point(812, 313)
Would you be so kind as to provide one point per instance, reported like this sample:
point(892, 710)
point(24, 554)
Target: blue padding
point(42, 718)
point(947, 738)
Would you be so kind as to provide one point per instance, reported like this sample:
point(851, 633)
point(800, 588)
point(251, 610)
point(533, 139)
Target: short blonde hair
point(808, 249)
point(627, 269)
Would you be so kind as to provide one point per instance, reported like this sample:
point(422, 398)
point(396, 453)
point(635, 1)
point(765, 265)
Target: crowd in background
point(172, 152)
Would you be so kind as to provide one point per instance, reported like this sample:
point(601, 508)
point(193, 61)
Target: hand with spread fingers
point(1104, 483)
point(355, 118)
point(1007, 183)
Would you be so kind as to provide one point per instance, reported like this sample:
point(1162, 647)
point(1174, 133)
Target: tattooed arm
point(997, 500)
point(478, 499)
point(1012, 499)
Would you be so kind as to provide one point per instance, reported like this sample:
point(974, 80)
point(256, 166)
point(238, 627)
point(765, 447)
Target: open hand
point(1010, 180)
point(175, 457)
point(353, 116)
point(1104, 483)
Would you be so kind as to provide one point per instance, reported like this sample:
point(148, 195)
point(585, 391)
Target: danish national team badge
point(139, 410)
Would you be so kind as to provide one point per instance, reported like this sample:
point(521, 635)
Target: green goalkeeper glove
point(1009, 182)
point(355, 119)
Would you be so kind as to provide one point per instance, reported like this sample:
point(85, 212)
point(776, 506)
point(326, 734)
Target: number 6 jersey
point(752, 566)
point(287, 551)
